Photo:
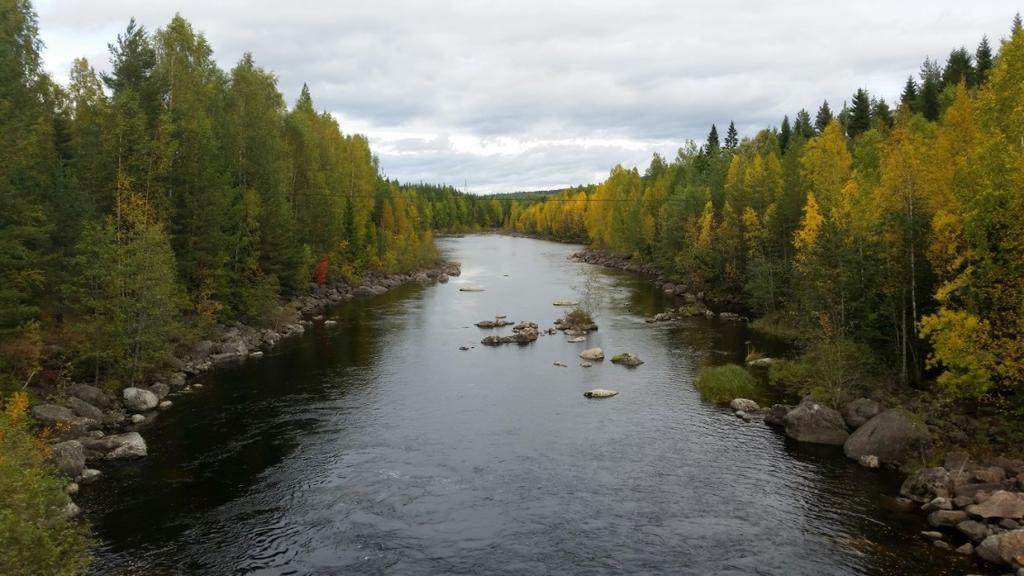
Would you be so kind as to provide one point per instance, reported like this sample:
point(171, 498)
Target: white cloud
point(532, 94)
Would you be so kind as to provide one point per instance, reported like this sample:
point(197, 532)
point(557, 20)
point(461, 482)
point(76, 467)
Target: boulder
point(627, 359)
point(62, 420)
point(861, 410)
point(815, 423)
point(894, 436)
point(1006, 548)
point(946, 518)
point(938, 503)
point(967, 549)
point(139, 399)
point(972, 490)
point(743, 404)
point(974, 530)
point(925, 484)
point(86, 410)
point(91, 394)
point(599, 393)
point(71, 510)
point(89, 475)
point(986, 474)
point(1000, 504)
point(160, 389)
point(68, 457)
point(592, 354)
point(128, 445)
point(776, 415)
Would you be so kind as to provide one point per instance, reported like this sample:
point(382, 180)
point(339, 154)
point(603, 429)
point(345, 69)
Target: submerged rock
point(627, 359)
point(471, 289)
point(585, 364)
point(599, 393)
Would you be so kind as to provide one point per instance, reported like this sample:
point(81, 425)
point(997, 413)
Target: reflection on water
point(376, 446)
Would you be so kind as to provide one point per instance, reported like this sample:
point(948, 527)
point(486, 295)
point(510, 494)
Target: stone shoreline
point(88, 425)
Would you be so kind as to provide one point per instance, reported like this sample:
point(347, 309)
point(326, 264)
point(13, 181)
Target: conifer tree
point(824, 117)
point(959, 68)
point(785, 133)
point(909, 98)
point(860, 114)
point(803, 125)
point(732, 138)
point(931, 86)
point(713, 144)
point(982, 60)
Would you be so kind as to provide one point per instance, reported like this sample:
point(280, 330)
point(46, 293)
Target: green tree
point(824, 118)
point(860, 114)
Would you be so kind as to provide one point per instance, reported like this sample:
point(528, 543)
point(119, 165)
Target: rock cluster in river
point(89, 425)
point(522, 333)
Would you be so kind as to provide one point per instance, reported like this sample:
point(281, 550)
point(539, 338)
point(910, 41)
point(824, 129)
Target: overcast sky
point(527, 94)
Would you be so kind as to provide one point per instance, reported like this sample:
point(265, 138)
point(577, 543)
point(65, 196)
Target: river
point(376, 446)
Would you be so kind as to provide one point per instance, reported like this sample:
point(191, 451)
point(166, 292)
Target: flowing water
point(376, 446)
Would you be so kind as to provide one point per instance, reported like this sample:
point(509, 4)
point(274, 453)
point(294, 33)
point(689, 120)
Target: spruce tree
point(909, 97)
point(931, 86)
point(803, 125)
point(860, 114)
point(824, 118)
point(732, 138)
point(982, 61)
point(959, 68)
point(785, 133)
point(712, 145)
point(881, 114)
point(1016, 28)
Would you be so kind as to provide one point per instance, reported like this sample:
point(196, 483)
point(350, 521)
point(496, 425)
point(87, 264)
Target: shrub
point(578, 319)
point(36, 535)
point(830, 371)
point(720, 384)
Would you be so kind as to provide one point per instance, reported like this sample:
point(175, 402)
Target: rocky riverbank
point(975, 506)
point(89, 426)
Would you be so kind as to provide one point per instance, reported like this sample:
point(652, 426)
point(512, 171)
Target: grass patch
point(720, 384)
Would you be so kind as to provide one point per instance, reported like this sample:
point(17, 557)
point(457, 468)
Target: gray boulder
point(861, 410)
point(894, 436)
point(592, 354)
point(1006, 548)
point(160, 389)
point(976, 531)
point(926, 484)
point(68, 457)
point(627, 359)
point(946, 518)
point(129, 445)
point(776, 415)
point(86, 410)
point(91, 394)
point(139, 399)
point(1001, 504)
point(815, 423)
point(63, 420)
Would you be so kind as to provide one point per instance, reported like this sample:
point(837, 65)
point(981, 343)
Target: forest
point(887, 240)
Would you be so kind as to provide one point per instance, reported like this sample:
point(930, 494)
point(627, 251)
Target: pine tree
point(732, 138)
point(881, 114)
point(982, 60)
point(860, 114)
point(1016, 28)
point(824, 118)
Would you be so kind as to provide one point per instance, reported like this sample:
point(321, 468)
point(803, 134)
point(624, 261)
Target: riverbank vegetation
point(144, 205)
point(721, 384)
point(889, 231)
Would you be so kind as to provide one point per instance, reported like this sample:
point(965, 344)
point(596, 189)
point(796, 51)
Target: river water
point(376, 446)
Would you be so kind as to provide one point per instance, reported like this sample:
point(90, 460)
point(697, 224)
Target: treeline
point(143, 205)
point(891, 234)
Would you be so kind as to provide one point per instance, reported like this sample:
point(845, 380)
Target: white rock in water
point(744, 405)
point(138, 418)
point(560, 364)
point(566, 303)
point(89, 475)
point(577, 339)
point(868, 461)
point(471, 289)
point(330, 323)
point(165, 405)
point(592, 354)
point(585, 364)
point(600, 393)
point(256, 354)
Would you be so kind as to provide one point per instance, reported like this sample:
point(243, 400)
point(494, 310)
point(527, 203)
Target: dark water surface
point(377, 447)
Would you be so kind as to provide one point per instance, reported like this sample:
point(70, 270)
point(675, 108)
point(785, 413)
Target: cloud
point(530, 94)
